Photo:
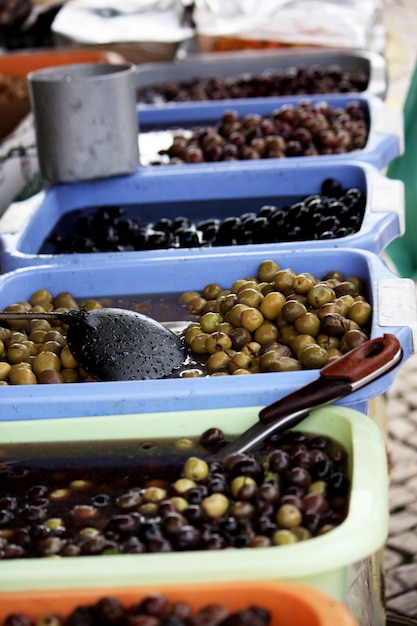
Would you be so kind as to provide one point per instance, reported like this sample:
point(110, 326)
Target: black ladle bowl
point(116, 344)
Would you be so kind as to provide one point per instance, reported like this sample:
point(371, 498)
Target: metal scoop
point(116, 344)
point(354, 370)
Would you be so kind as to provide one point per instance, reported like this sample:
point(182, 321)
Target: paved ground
point(401, 401)
point(401, 549)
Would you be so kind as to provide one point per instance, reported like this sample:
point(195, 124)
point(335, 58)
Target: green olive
point(250, 296)
point(187, 296)
point(272, 304)
point(300, 342)
point(196, 305)
point(241, 360)
point(217, 362)
point(251, 319)
point(266, 334)
point(65, 300)
point(14, 337)
point(69, 375)
point(50, 346)
point(292, 310)
point(154, 494)
point(37, 324)
point(284, 537)
point(212, 291)
point(303, 282)
point(286, 364)
point(269, 359)
point(46, 361)
point(218, 341)
point(283, 281)
point(267, 270)
point(233, 316)
point(240, 371)
point(210, 321)
point(328, 342)
point(41, 296)
point(320, 294)
point(198, 343)
point(215, 505)
point(67, 360)
point(308, 324)
point(182, 485)
point(4, 370)
point(287, 334)
point(313, 357)
point(288, 516)
point(18, 352)
point(239, 483)
point(19, 375)
point(360, 312)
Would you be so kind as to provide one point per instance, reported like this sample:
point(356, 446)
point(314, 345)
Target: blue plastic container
point(392, 298)
point(385, 137)
point(199, 194)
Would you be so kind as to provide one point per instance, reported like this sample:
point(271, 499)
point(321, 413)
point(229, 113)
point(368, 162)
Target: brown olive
point(352, 339)
point(240, 337)
point(50, 376)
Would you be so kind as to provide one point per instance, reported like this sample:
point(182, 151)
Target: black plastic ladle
point(116, 344)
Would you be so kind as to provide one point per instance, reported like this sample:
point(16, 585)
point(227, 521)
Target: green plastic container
point(333, 563)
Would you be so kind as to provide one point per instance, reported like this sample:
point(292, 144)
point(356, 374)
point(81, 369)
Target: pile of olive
point(304, 129)
point(291, 81)
point(294, 488)
point(155, 609)
point(277, 321)
point(333, 213)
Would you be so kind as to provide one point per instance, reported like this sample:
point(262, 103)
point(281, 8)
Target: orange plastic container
point(289, 603)
point(21, 63)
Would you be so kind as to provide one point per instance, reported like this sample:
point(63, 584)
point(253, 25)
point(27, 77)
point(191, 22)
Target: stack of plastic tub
point(338, 562)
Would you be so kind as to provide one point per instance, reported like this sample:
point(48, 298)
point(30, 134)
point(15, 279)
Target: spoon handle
point(63, 316)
